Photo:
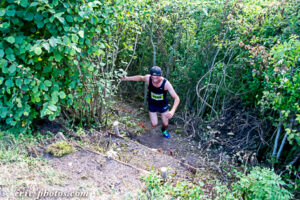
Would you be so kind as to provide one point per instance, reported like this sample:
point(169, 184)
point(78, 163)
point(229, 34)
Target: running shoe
point(166, 134)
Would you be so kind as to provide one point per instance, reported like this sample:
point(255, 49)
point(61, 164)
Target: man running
point(157, 97)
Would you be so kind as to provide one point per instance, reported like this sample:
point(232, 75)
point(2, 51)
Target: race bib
point(157, 97)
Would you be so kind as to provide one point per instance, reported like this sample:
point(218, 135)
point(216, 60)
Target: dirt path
point(116, 172)
point(179, 146)
point(107, 178)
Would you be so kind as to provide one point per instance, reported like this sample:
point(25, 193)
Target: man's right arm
point(134, 78)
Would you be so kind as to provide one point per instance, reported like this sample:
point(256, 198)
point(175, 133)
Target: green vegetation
point(157, 188)
point(260, 183)
point(60, 148)
point(65, 58)
point(51, 53)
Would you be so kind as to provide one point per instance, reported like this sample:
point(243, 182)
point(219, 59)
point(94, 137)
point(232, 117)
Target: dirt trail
point(114, 179)
point(97, 173)
point(178, 145)
point(114, 170)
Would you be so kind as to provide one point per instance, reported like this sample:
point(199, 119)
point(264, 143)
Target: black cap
point(155, 71)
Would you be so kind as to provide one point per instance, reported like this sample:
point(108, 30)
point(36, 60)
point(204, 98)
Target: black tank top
point(157, 96)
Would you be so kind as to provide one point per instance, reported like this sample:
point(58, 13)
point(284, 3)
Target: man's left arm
point(174, 95)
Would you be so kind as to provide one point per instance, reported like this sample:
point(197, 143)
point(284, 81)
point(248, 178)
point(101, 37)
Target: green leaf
point(53, 42)
point(9, 51)
point(75, 38)
point(19, 103)
point(67, 41)
point(1, 80)
point(24, 3)
point(38, 17)
point(55, 2)
point(3, 111)
point(34, 4)
point(46, 46)
point(62, 95)
point(69, 18)
point(11, 57)
point(18, 82)
point(43, 87)
point(3, 63)
point(10, 13)
point(54, 97)
point(88, 98)
point(9, 83)
point(19, 39)
point(61, 19)
point(5, 25)
point(48, 83)
point(27, 81)
point(10, 39)
point(1, 53)
point(2, 12)
point(81, 34)
point(29, 16)
point(37, 51)
point(57, 56)
point(52, 108)
point(12, 68)
point(40, 24)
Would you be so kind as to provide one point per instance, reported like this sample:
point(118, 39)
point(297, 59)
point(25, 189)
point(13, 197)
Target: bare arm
point(174, 95)
point(135, 78)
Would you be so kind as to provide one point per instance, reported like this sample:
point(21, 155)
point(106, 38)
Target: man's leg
point(153, 119)
point(165, 121)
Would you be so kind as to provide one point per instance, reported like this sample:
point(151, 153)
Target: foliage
point(59, 149)
point(282, 83)
point(270, 49)
point(224, 50)
point(260, 183)
point(157, 188)
point(53, 52)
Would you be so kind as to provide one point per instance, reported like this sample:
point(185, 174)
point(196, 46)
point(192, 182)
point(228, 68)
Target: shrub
point(61, 55)
point(259, 184)
point(262, 183)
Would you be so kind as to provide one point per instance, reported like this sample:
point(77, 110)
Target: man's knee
point(154, 124)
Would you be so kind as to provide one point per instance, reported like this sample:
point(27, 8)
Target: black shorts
point(158, 108)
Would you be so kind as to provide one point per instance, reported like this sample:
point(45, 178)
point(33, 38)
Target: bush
point(259, 184)
point(61, 55)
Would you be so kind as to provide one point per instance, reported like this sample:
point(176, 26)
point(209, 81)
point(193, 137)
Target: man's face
point(155, 79)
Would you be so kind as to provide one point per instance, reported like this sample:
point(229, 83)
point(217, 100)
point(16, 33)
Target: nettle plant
point(51, 53)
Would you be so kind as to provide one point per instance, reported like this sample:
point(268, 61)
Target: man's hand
point(169, 114)
point(123, 78)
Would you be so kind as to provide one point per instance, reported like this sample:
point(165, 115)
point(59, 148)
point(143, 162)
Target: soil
point(109, 178)
point(182, 148)
point(116, 172)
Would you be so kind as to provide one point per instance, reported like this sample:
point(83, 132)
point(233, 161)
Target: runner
point(157, 97)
